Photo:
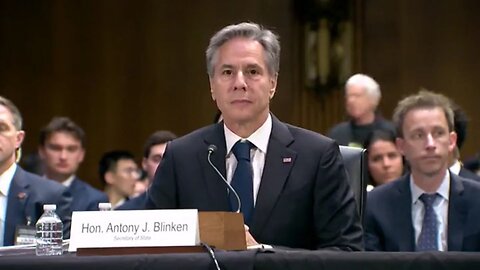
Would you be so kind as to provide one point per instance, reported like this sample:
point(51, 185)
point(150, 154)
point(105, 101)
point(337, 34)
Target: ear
point(452, 141)
point(82, 154)
point(144, 164)
point(212, 93)
point(400, 142)
point(41, 152)
point(109, 178)
point(19, 138)
point(273, 85)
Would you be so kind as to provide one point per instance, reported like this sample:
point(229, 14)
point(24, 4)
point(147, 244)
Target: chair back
point(355, 161)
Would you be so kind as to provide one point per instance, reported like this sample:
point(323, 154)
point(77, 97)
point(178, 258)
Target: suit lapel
point(278, 163)
point(75, 190)
point(216, 188)
point(403, 216)
point(457, 213)
point(16, 211)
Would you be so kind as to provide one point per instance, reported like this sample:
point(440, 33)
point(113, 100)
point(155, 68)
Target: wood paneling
point(433, 44)
point(123, 69)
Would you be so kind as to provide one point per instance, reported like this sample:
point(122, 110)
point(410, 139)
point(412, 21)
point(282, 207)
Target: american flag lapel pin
point(287, 160)
point(21, 195)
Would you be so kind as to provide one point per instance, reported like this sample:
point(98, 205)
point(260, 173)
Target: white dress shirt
point(67, 183)
point(440, 206)
point(456, 167)
point(257, 154)
point(5, 182)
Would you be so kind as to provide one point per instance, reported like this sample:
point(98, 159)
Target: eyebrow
point(253, 65)
point(248, 66)
point(3, 121)
point(7, 124)
point(226, 66)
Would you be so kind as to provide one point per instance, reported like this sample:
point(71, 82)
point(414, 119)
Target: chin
point(64, 172)
point(242, 118)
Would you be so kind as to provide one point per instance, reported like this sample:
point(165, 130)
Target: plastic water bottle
point(49, 232)
point(104, 206)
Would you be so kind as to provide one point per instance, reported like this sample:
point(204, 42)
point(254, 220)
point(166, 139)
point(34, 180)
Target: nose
point(63, 154)
point(386, 162)
point(240, 83)
point(430, 141)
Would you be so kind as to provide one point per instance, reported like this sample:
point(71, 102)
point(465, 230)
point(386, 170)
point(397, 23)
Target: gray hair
point(253, 31)
point(17, 117)
point(368, 83)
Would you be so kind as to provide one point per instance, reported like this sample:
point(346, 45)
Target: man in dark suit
point(460, 126)
point(22, 194)
point(430, 208)
point(62, 149)
point(153, 152)
point(294, 192)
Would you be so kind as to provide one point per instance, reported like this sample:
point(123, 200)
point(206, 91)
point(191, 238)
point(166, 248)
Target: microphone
point(212, 149)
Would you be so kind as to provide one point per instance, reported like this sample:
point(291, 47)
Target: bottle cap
point(49, 207)
point(104, 206)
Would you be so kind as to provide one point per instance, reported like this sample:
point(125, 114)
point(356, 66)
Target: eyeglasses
point(131, 171)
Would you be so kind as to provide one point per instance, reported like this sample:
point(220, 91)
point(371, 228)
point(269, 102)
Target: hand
point(249, 238)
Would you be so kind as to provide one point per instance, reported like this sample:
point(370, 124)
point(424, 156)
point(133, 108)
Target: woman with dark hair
point(385, 163)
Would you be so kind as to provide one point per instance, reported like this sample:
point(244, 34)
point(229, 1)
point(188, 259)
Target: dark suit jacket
point(137, 203)
point(85, 197)
point(26, 197)
point(388, 219)
point(304, 199)
point(465, 173)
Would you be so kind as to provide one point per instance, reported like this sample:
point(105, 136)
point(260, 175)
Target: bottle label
point(25, 235)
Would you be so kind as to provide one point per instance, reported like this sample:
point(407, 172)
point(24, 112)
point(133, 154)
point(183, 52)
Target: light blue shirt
point(5, 182)
point(440, 206)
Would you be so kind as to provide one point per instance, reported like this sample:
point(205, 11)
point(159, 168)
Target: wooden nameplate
point(222, 230)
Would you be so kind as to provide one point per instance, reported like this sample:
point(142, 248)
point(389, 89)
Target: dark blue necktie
point(242, 180)
point(428, 236)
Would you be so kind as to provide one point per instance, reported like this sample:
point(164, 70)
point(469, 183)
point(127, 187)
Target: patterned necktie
point(428, 236)
point(242, 180)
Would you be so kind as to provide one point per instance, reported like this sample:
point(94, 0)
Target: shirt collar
point(455, 168)
point(69, 181)
point(6, 179)
point(259, 138)
point(65, 183)
point(443, 190)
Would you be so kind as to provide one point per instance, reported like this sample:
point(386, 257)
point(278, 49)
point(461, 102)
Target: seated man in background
point(461, 124)
point(62, 149)
point(362, 96)
point(22, 194)
point(429, 208)
point(385, 163)
point(118, 172)
point(153, 151)
point(291, 182)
